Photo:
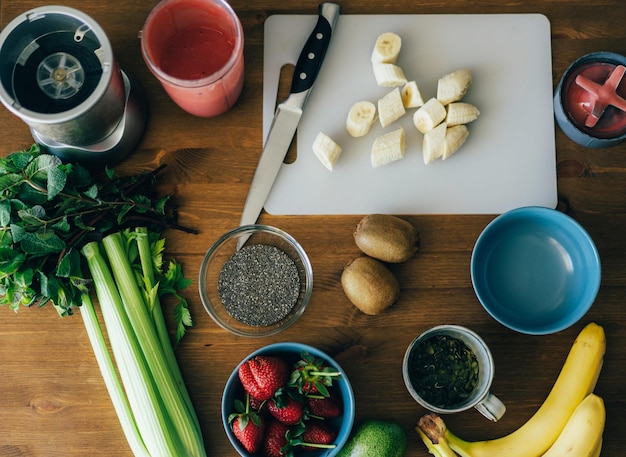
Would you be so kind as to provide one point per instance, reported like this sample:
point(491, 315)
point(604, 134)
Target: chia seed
point(259, 285)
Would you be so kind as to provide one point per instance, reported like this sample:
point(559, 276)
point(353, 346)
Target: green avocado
point(375, 437)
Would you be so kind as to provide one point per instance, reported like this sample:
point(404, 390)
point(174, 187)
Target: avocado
point(375, 437)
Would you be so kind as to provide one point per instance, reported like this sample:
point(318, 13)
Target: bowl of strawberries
point(288, 399)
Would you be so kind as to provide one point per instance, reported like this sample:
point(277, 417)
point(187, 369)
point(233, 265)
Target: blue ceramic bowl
point(291, 351)
point(535, 270)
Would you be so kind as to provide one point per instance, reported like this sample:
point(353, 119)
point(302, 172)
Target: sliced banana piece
point(455, 137)
point(361, 117)
point(461, 113)
point(429, 115)
point(411, 95)
point(386, 48)
point(434, 143)
point(388, 148)
point(326, 150)
point(388, 75)
point(453, 86)
point(390, 107)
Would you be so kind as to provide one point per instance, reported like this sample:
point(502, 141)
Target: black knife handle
point(312, 55)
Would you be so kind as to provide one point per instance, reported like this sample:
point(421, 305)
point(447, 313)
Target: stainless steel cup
point(59, 75)
point(480, 398)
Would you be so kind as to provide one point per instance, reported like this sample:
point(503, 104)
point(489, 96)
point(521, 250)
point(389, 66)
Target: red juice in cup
point(195, 49)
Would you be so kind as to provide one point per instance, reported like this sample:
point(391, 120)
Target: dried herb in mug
point(444, 370)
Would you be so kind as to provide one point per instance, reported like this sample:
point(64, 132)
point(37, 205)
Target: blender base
point(114, 147)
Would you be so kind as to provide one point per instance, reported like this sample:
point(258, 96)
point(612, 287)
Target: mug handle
point(491, 407)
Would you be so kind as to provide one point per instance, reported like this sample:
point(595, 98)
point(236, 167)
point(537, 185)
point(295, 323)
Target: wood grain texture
point(53, 401)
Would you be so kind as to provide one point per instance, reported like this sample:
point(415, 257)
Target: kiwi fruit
point(369, 285)
point(387, 238)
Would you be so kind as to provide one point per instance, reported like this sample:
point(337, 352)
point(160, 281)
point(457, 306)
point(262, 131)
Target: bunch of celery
point(51, 213)
point(151, 400)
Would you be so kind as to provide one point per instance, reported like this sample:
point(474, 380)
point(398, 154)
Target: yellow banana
point(583, 432)
point(598, 449)
point(577, 379)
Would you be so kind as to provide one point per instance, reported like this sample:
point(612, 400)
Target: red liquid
point(196, 53)
point(195, 49)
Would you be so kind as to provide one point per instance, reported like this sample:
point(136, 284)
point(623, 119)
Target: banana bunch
point(569, 422)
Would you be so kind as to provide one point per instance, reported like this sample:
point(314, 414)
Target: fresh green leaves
point(49, 209)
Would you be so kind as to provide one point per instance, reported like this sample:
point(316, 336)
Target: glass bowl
point(255, 281)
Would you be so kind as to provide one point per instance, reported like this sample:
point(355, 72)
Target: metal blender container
point(58, 74)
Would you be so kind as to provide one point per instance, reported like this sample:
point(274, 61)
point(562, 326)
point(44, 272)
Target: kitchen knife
point(289, 112)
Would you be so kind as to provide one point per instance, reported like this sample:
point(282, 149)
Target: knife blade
point(288, 113)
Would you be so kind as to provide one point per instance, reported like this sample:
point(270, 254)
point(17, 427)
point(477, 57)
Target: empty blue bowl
point(535, 270)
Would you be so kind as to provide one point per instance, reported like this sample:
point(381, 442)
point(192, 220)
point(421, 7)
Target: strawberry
point(324, 407)
point(275, 442)
point(312, 375)
point(261, 376)
point(314, 435)
point(247, 426)
point(286, 409)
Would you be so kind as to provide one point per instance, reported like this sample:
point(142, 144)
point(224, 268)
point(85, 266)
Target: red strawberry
point(325, 407)
point(275, 442)
point(312, 375)
point(318, 435)
point(247, 426)
point(262, 376)
point(286, 409)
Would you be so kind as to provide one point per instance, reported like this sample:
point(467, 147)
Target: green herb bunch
point(49, 209)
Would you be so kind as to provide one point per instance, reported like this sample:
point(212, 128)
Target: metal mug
point(481, 397)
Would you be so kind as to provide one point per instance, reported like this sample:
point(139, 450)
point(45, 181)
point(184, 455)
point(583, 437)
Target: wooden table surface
point(53, 400)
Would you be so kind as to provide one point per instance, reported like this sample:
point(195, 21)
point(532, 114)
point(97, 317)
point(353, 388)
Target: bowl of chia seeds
point(255, 280)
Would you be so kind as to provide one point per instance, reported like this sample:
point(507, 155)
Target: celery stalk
point(111, 379)
point(147, 267)
point(182, 419)
point(142, 394)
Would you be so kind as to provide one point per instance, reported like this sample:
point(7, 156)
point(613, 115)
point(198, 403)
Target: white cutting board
point(508, 160)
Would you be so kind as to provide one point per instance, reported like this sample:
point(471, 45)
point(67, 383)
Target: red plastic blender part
point(594, 94)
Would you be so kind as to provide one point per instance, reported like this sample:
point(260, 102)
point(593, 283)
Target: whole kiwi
point(387, 238)
point(369, 285)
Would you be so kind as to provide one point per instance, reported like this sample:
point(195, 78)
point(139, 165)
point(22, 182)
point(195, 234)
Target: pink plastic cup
point(195, 49)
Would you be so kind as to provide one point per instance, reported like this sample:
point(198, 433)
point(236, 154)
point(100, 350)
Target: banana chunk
point(326, 150)
point(390, 107)
point(455, 137)
point(411, 95)
point(386, 48)
point(461, 113)
point(453, 86)
point(434, 143)
point(388, 75)
point(361, 117)
point(388, 148)
point(431, 114)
